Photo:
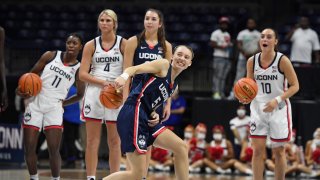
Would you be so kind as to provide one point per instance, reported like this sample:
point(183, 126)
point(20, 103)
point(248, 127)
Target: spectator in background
point(178, 107)
point(239, 126)
point(304, 42)
point(71, 123)
point(221, 42)
point(3, 85)
point(247, 44)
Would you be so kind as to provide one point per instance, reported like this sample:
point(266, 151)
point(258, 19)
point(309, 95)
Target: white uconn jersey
point(57, 78)
point(107, 64)
point(271, 82)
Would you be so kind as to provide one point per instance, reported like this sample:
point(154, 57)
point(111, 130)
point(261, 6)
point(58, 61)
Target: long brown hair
point(161, 32)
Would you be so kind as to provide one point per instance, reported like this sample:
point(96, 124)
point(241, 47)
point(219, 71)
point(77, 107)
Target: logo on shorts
point(87, 109)
point(142, 141)
point(253, 127)
point(27, 116)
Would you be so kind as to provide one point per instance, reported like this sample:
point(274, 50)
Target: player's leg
point(138, 165)
point(168, 140)
point(114, 147)
point(280, 162)
point(93, 131)
point(53, 137)
point(30, 139)
point(259, 147)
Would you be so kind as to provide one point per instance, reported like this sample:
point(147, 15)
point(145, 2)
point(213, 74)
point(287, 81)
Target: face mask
point(293, 139)
point(187, 135)
point(315, 134)
point(241, 112)
point(217, 136)
point(317, 142)
point(201, 136)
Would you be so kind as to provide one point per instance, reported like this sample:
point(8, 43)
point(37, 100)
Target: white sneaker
point(194, 170)
point(208, 170)
point(216, 96)
point(231, 96)
point(269, 173)
point(158, 167)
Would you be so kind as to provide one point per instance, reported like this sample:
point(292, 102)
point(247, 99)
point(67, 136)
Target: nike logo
point(142, 47)
point(97, 51)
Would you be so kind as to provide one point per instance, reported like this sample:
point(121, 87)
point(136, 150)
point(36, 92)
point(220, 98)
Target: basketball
point(30, 83)
point(110, 97)
point(245, 90)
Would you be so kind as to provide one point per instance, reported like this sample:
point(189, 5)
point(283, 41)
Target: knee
point(114, 142)
point(181, 148)
point(93, 143)
point(258, 152)
point(278, 152)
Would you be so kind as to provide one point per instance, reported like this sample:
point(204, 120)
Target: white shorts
point(92, 109)
point(43, 113)
point(276, 124)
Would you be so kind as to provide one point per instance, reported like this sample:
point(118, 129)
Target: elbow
point(82, 76)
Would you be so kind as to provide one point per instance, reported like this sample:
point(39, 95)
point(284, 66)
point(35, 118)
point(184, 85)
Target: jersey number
point(266, 88)
point(107, 68)
point(56, 81)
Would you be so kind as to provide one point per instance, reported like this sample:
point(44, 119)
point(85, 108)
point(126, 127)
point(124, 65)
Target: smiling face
point(182, 57)
point(152, 21)
point(268, 40)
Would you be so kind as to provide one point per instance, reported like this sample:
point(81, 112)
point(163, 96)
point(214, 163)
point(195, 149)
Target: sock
point(249, 171)
point(91, 177)
point(34, 177)
point(55, 178)
point(219, 170)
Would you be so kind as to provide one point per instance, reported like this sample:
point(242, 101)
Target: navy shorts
point(133, 129)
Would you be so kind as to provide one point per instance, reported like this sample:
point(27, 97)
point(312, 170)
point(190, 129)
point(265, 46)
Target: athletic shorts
point(92, 109)
point(133, 129)
point(43, 113)
point(276, 124)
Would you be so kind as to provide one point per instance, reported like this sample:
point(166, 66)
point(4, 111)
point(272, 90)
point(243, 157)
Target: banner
point(11, 146)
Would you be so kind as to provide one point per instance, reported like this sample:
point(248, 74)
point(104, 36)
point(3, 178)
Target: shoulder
point(168, 44)
point(90, 43)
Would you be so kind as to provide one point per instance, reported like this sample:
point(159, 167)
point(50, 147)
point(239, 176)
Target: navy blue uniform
point(144, 53)
point(132, 122)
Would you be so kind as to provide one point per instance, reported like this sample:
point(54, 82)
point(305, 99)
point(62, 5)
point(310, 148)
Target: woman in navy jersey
point(138, 123)
point(271, 109)
point(102, 62)
point(58, 71)
point(149, 45)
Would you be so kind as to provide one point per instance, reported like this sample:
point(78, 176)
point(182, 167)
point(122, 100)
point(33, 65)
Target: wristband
point(278, 99)
point(125, 76)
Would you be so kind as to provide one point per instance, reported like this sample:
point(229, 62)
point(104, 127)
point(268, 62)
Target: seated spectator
point(198, 146)
point(239, 127)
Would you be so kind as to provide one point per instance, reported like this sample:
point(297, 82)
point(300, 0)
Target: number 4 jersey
point(271, 81)
point(57, 77)
point(107, 64)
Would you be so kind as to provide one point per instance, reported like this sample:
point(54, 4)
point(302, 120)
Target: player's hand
point(119, 82)
point(155, 119)
point(244, 101)
point(108, 83)
point(23, 95)
point(166, 112)
point(270, 106)
point(3, 101)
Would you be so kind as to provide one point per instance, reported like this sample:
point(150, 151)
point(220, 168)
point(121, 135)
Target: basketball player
point(271, 109)
point(150, 45)
point(105, 56)
point(58, 70)
point(136, 130)
point(3, 85)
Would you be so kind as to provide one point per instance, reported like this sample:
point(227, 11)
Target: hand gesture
point(23, 95)
point(270, 106)
point(155, 119)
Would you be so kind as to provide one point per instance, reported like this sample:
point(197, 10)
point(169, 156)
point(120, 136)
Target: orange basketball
point(30, 83)
point(245, 90)
point(110, 97)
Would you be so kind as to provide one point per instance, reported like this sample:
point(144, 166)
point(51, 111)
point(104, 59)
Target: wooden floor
point(76, 174)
